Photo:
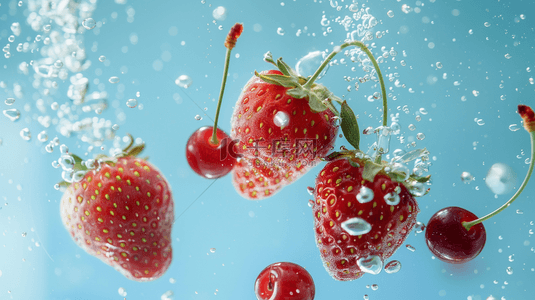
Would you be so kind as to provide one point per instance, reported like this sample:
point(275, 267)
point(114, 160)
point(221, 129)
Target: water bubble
point(393, 267)
point(511, 258)
point(198, 117)
point(310, 191)
point(15, 28)
point(356, 226)
point(9, 101)
point(475, 93)
point(89, 23)
point(501, 178)
point(42, 136)
point(466, 177)
point(220, 13)
point(122, 292)
point(509, 271)
point(412, 127)
point(310, 203)
point(212, 250)
point(392, 199)
point(487, 24)
point(114, 79)
point(281, 119)
point(417, 189)
point(49, 148)
point(102, 58)
point(167, 295)
point(365, 195)
point(184, 81)
point(507, 56)
point(280, 31)
point(131, 103)
point(63, 149)
point(420, 136)
point(532, 81)
point(406, 9)
point(390, 14)
point(514, 127)
point(308, 64)
point(480, 122)
point(78, 176)
point(371, 264)
point(439, 65)
point(13, 114)
point(375, 287)
point(410, 248)
point(25, 134)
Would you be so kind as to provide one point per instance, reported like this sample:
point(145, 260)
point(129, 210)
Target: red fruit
point(361, 217)
point(284, 281)
point(449, 240)
point(207, 159)
point(122, 213)
point(279, 131)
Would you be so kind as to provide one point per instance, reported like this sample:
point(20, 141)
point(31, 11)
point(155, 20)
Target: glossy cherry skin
point(210, 160)
point(284, 281)
point(447, 238)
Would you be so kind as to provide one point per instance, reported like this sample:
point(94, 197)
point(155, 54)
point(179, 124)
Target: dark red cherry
point(284, 281)
point(207, 159)
point(449, 240)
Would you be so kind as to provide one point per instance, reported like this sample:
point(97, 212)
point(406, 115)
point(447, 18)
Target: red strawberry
point(283, 123)
point(361, 216)
point(122, 213)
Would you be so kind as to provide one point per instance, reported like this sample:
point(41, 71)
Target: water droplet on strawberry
point(372, 264)
point(281, 119)
point(392, 199)
point(356, 226)
point(365, 195)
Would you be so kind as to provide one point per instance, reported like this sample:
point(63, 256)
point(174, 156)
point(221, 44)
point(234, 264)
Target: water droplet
point(406, 9)
point(466, 177)
point(480, 122)
point(63, 149)
point(310, 203)
point(410, 248)
point(390, 14)
point(25, 134)
point(114, 79)
point(42, 136)
point(198, 117)
point(13, 114)
point(131, 103)
point(280, 31)
point(500, 179)
point(9, 101)
point(89, 23)
point(511, 257)
point(356, 226)
point(392, 199)
point(281, 119)
point(102, 58)
point(509, 270)
point(310, 191)
point(78, 176)
point(49, 148)
point(532, 81)
point(24, 234)
point(475, 93)
point(15, 27)
point(412, 127)
point(167, 295)
point(420, 136)
point(183, 81)
point(487, 24)
point(220, 13)
point(520, 212)
point(439, 65)
point(507, 56)
point(375, 287)
point(371, 264)
point(393, 267)
point(365, 195)
point(122, 292)
point(417, 189)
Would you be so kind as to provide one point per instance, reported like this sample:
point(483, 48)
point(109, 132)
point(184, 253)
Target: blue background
point(184, 38)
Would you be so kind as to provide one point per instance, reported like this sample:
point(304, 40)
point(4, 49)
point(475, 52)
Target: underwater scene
point(362, 149)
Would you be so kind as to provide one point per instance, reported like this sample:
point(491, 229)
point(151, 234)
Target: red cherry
point(284, 281)
point(207, 159)
point(449, 240)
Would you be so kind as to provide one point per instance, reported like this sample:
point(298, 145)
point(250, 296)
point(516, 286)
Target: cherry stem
point(365, 49)
point(468, 225)
point(230, 42)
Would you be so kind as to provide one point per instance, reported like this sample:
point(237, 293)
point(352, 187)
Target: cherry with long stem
point(209, 150)
point(456, 235)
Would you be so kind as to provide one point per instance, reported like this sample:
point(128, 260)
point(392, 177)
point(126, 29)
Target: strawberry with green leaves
point(284, 123)
point(364, 207)
point(122, 213)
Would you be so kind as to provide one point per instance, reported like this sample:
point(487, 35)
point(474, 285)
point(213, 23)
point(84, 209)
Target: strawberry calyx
point(413, 182)
point(319, 97)
point(81, 167)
